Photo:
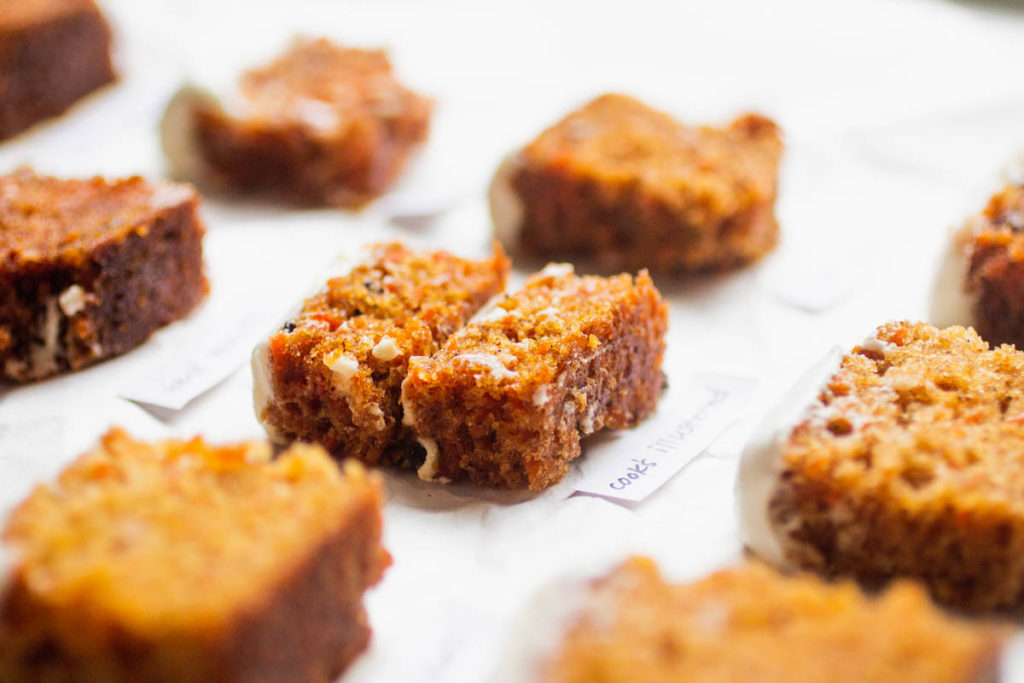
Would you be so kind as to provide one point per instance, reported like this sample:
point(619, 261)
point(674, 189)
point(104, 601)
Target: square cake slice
point(628, 187)
point(981, 283)
point(320, 125)
point(333, 374)
point(89, 269)
point(753, 624)
point(507, 399)
point(52, 53)
point(908, 462)
point(179, 561)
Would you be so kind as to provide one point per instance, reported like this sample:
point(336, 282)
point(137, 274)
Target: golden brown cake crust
point(506, 400)
point(52, 53)
point(911, 465)
point(753, 624)
point(336, 370)
point(89, 269)
point(631, 188)
point(179, 561)
point(995, 276)
point(321, 124)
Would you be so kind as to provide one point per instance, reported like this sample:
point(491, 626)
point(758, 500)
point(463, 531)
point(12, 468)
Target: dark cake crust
point(628, 187)
point(89, 269)
point(52, 53)
point(506, 400)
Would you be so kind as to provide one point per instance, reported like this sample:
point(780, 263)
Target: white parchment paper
point(898, 115)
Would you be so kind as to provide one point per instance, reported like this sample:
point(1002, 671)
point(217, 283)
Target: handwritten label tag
point(632, 464)
point(189, 368)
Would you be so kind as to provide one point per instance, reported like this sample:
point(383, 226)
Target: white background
point(898, 115)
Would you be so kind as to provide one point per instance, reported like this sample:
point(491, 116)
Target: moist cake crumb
point(507, 399)
point(750, 623)
point(909, 464)
point(627, 187)
point(333, 375)
point(320, 125)
point(181, 561)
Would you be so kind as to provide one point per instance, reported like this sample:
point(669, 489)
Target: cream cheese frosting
point(178, 135)
point(950, 302)
point(761, 461)
point(507, 212)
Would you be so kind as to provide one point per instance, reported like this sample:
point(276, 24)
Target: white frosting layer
point(761, 461)
point(262, 386)
point(1013, 173)
point(262, 389)
point(950, 303)
point(178, 136)
point(507, 211)
point(428, 470)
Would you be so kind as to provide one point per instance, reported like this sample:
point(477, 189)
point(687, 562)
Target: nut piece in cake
point(52, 53)
point(910, 462)
point(507, 399)
point(179, 561)
point(333, 374)
point(320, 125)
point(628, 187)
point(981, 281)
point(753, 624)
point(89, 269)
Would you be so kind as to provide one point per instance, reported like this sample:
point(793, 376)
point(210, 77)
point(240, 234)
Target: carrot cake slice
point(753, 624)
point(52, 53)
point(333, 374)
point(982, 279)
point(320, 125)
point(89, 269)
point(628, 187)
point(506, 400)
point(909, 462)
point(180, 561)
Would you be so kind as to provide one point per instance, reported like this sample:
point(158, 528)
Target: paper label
point(633, 463)
point(186, 370)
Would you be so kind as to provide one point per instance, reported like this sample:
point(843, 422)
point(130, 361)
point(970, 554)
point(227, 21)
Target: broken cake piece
point(319, 125)
point(507, 399)
point(181, 561)
point(89, 269)
point(333, 374)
